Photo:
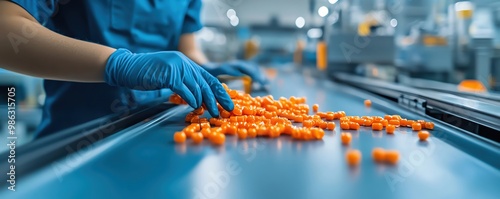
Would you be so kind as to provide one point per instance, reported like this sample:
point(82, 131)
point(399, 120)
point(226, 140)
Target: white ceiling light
point(300, 22)
point(323, 11)
point(394, 22)
point(314, 33)
point(234, 20)
point(332, 1)
point(230, 13)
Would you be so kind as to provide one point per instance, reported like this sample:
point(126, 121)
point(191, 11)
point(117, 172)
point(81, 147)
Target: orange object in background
point(471, 85)
point(392, 156)
point(345, 138)
point(247, 84)
point(321, 56)
point(368, 103)
point(378, 155)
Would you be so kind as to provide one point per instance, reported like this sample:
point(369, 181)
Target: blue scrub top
point(138, 25)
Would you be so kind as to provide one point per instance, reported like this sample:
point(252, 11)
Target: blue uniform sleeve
point(41, 10)
point(192, 22)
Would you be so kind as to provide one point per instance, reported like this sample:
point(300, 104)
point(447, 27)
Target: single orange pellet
point(429, 125)
point(385, 123)
point(344, 125)
point(368, 103)
point(218, 138)
point(248, 110)
point(345, 138)
point(317, 133)
point(330, 116)
point(416, 126)
point(315, 107)
point(423, 135)
point(422, 122)
point(179, 137)
point(206, 132)
point(231, 129)
point(199, 111)
point(377, 126)
point(237, 110)
point(353, 157)
point(390, 129)
point(252, 132)
point(324, 125)
point(330, 125)
point(354, 126)
point(394, 122)
point(403, 122)
point(367, 122)
point(409, 123)
point(242, 133)
point(391, 156)
point(205, 125)
point(378, 155)
point(225, 114)
point(197, 138)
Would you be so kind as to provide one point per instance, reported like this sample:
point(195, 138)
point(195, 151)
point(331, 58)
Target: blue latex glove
point(167, 69)
point(237, 69)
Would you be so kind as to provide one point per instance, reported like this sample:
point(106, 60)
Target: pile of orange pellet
point(269, 117)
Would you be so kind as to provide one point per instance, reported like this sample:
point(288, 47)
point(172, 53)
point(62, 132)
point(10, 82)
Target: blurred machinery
point(443, 40)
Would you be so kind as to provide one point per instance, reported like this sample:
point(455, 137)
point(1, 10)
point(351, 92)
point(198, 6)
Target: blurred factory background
point(437, 43)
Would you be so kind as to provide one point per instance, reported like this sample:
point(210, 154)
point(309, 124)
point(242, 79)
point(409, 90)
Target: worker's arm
point(188, 46)
point(29, 48)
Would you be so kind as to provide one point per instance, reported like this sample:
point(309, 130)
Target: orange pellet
point(394, 122)
point(179, 137)
point(242, 133)
point(353, 157)
point(252, 132)
point(409, 123)
point(345, 138)
point(429, 125)
point(197, 138)
point(231, 129)
point(368, 103)
point(218, 138)
point(403, 122)
point(315, 107)
point(367, 122)
point(344, 125)
point(330, 125)
point(391, 156)
point(423, 135)
point(378, 155)
point(377, 126)
point(330, 116)
point(416, 126)
point(353, 126)
point(206, 132)
point(390, 129)
point(205, 125)
point(317, 133)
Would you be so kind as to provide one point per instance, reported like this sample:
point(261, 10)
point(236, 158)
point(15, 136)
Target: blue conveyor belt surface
point(143, 161)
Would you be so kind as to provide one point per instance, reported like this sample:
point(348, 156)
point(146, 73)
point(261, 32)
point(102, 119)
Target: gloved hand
point(167, 69)
point(237, 69)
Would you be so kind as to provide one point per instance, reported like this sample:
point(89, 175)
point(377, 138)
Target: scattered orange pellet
point(394, 122)
point(252, 132)
point(423, 135)
point(218, 138)
point(416, 126)
point(197, 138)
point(242, 133)
point(344, 125)
point(330, 125)
point(315, 107)
point(179, 137)
point(378, 155)
point(206, 132)
point(368, 103)
point(390, 129)
point(345, 138)
point(429, 125)
point(353, 126)
point(391, 156)
point(353, 157)
point(377, 126)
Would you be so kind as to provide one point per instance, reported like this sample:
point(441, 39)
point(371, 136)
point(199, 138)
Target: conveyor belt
point(143, 162)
